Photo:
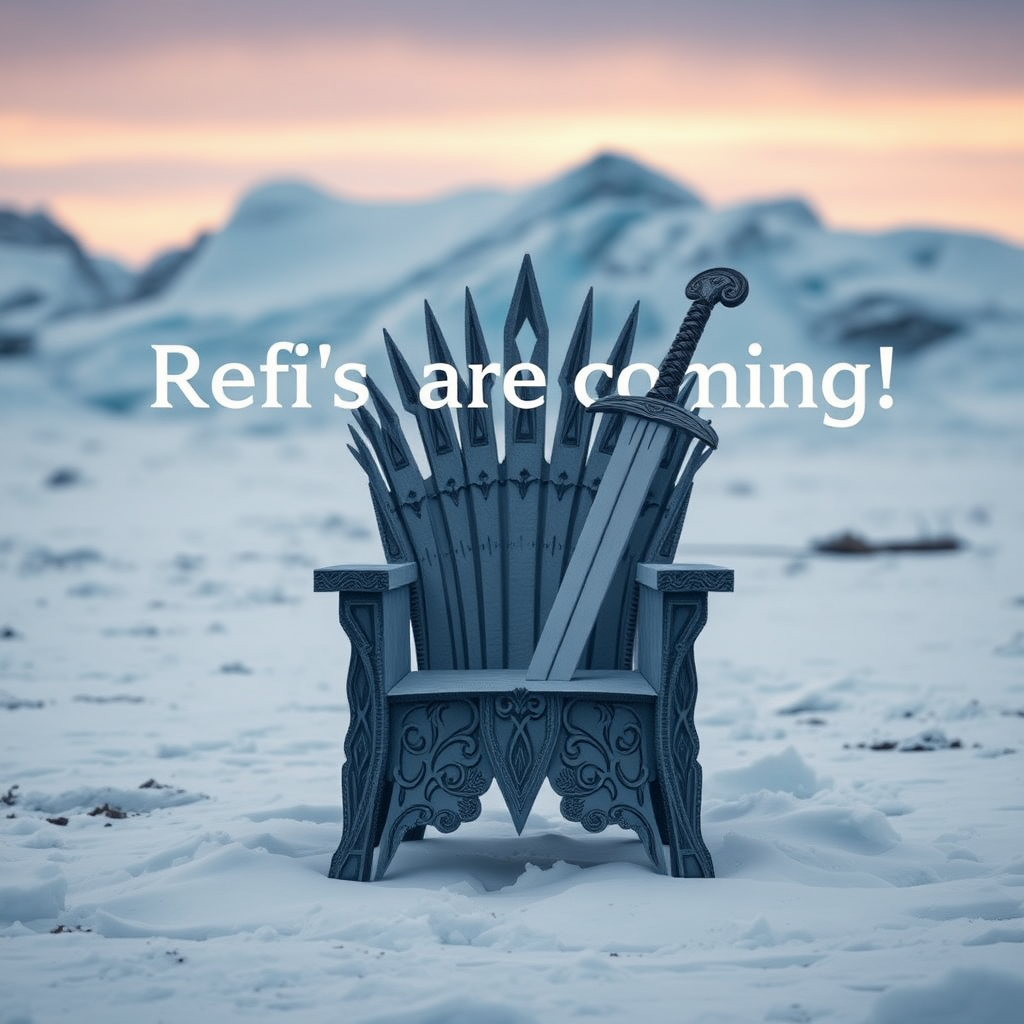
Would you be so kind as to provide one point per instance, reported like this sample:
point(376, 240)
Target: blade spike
point(408, 389)
point(476, 345)
point(526, 307)
point(365, 419)
point(374, 434)
point(437, 346)
point(385, 410)
point(439, 351)
point(358, 447)
point(621, 351)
point(579, 347)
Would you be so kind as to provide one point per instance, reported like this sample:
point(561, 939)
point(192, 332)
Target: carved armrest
point(373, 608)
point(366, 578)
point(684, 577)
point(672, 611)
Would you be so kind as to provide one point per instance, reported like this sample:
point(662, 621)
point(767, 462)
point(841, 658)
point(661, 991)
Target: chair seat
point(591, 682)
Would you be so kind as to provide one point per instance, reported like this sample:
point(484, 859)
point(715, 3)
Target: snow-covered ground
point(157, 623)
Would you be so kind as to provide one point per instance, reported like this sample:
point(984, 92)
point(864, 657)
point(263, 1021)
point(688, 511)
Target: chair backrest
point(492, 538)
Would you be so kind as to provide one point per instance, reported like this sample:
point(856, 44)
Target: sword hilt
point(720, 284)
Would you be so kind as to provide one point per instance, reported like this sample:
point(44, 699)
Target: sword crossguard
point(719, 284)
point(659, 411)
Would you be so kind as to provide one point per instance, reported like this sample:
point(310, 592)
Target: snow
point(164, 633)
point(172, 694)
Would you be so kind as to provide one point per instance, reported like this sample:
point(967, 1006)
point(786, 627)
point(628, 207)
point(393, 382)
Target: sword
point(648, 425)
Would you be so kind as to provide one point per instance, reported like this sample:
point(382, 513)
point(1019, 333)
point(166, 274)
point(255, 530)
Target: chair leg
point(680, 773)
point(660, 816)
point(363, 776)
point(353, 860)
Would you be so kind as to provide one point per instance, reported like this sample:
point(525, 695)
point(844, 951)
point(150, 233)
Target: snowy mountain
point(44, 273)
point(157, 275)
point(295, 263)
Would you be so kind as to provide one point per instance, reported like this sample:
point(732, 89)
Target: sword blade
point(620, 498)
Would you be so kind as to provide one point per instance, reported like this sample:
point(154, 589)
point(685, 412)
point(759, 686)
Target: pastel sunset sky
point(137, 124)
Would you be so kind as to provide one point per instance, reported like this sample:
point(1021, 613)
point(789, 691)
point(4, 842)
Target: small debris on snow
point(64, 476)
point(153, 784)
point(849, 543)
point(115, 698)
point(928, 739)
point(108, 811)
point(237, 668)
point(11, 703)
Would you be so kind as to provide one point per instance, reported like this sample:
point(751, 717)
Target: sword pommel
point(720, 284)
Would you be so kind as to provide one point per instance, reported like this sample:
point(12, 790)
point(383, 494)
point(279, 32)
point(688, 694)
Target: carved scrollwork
point(440, 770)
point(602, 769)
point(695, 579)
point(349, 579)
point(439, 750)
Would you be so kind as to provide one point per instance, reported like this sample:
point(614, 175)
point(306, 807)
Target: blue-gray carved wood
point(608, 431)
point(605, 768)
point(524, 471)
point(409, 494)
point(447, 487)
point(520, 729)
point(477, 547)
point(492, 538)
point(483, 471)
point(393, 535)
point(676, 619)
point(440, 770)
point(377, 624)
point(564, 475)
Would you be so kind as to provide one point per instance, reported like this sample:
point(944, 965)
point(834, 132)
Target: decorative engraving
point(602, 769)
point(484, 482)
point(451, 489)
point(350, 579)
point(523, 482)
point(695, 580)
point(520, 729)
point(413, 501)
point(438, 769)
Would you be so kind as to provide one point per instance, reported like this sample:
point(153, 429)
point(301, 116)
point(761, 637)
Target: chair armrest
point(684, 577)
point(672, 610)
point(364, 578)
point(373, 608)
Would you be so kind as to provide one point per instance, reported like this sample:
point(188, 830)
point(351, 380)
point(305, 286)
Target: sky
point(138, 124)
